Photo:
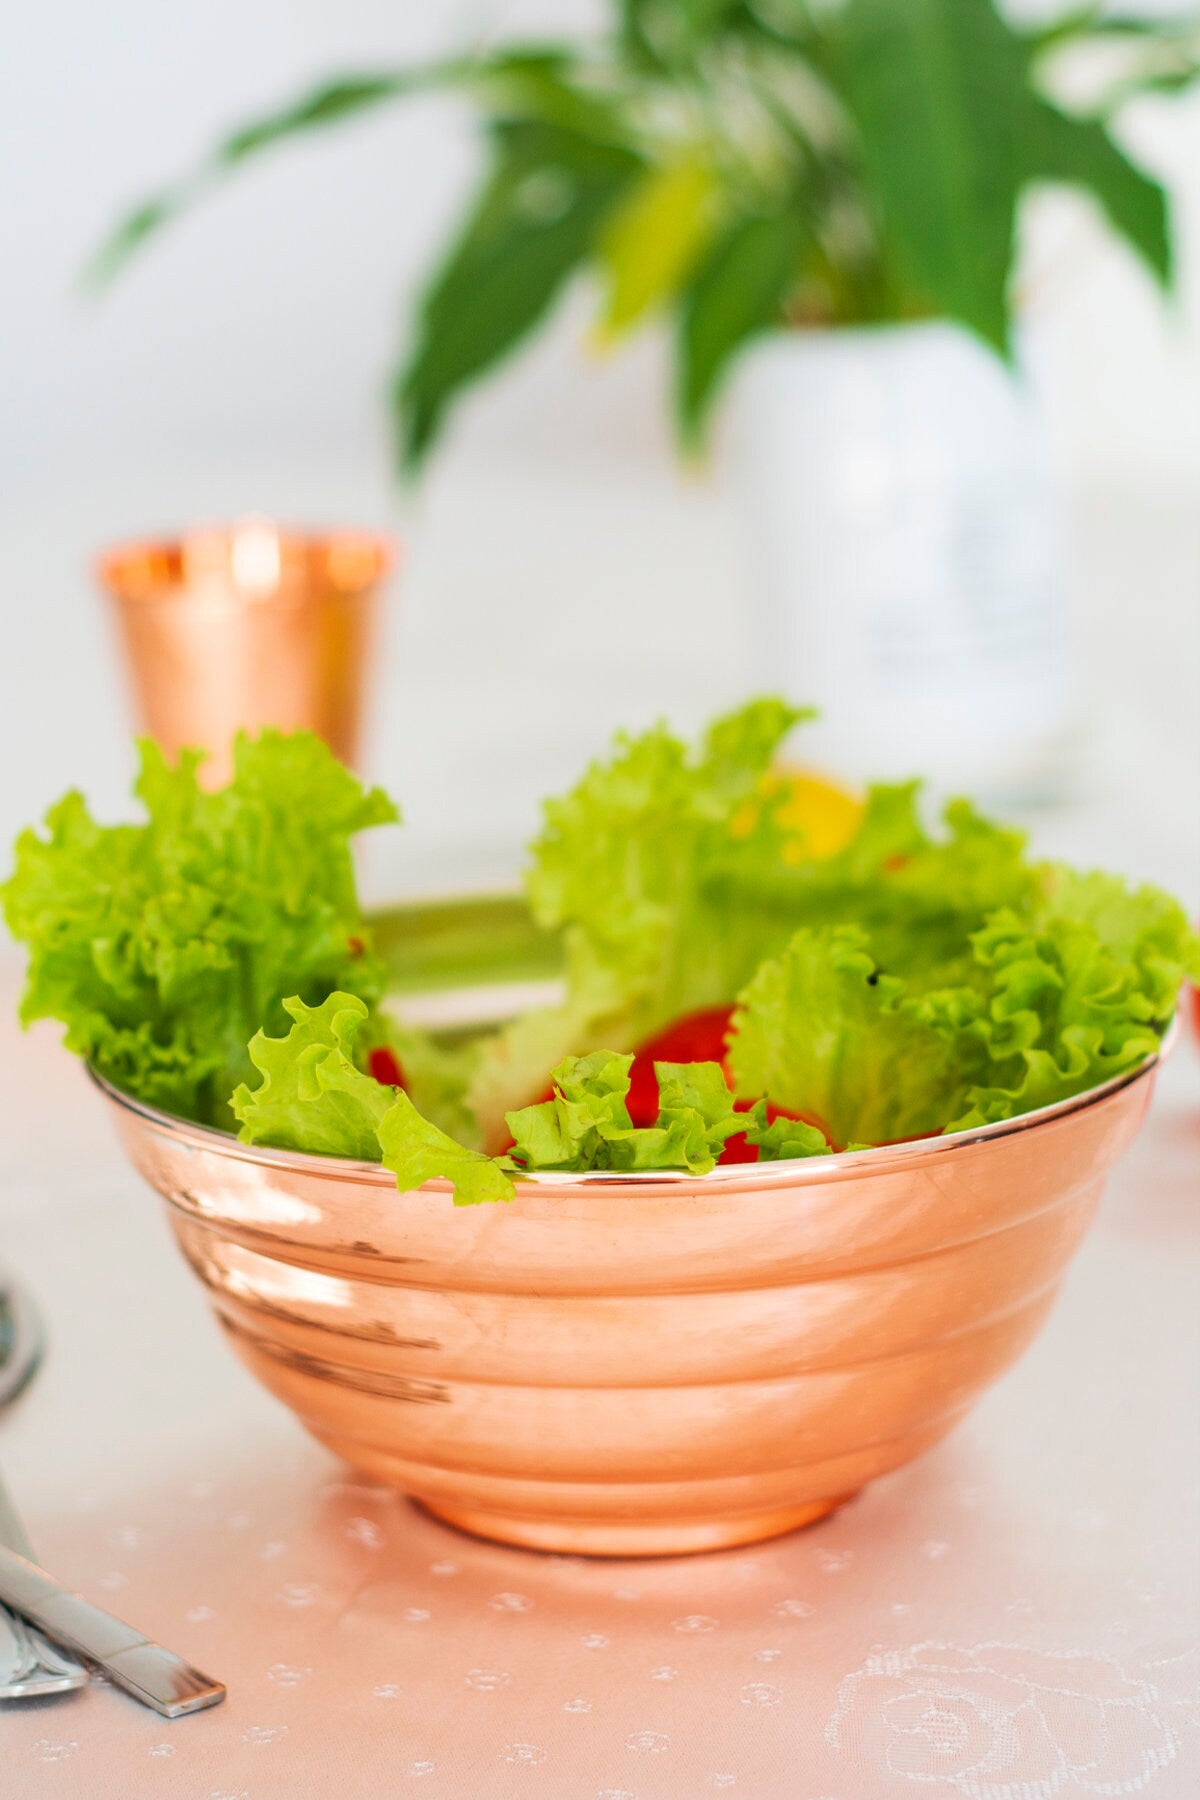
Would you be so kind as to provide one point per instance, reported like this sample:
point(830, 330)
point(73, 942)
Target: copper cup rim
point(142, 570)
point(733, 1178)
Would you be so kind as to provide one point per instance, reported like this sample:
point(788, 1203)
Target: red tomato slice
point(699, 1037)
point(383, 1065)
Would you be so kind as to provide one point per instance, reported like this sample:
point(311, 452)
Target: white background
point(563, 574)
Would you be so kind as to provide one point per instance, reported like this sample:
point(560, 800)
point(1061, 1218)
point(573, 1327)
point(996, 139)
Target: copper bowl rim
point(116, 567)
point(810, 1171)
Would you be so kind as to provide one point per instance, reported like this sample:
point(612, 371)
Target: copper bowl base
point(601, 1539)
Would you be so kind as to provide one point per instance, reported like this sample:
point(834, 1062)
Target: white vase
point(904, 527)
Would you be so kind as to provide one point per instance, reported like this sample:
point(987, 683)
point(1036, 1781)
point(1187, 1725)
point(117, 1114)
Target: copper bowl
point(630, 1365)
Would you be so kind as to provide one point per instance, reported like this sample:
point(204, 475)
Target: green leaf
point(513, 1064)
point(918, 896)
point(636, 44)
point(621, 856)
point(923, 904)
point(635, 863)
point(1060, 147)
point(937, 89)
point(1008, 984)
point(312, 1095)
point(696, 1104)
point(544, 86)
point(144, 222)
point(782, 1139)
point(700, 1088)
point(537, 219)
point(1063, 1014)
point(586, 1125)
point(416, 1151)
point(588, 1110)
point(676, 36)
point(820, 1030)
point(739, 291)
point(1067, 27)
point(533, 78)
point(653, 239)
point(331, 103)
point(163, 947)
point(1145, 929)
point(1097, 21)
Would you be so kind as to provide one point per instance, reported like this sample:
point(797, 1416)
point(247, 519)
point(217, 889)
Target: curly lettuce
point(162, 947)
point(314, 1096)
point(674, 876)
point(820, 1029)
point(586, 1125)
point(1072, 999)
point(1036, 1010)
point(918, 895)
point(631, 865)
point(213, 961)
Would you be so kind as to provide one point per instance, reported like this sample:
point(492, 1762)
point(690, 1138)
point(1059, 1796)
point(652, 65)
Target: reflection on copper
point(640, 1365)
point(240, 627)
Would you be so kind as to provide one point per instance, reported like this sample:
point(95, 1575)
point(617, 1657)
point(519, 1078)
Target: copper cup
point(234, 628)
point(630, 1365)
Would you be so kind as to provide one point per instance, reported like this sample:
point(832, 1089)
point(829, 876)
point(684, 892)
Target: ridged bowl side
point(632, 1366)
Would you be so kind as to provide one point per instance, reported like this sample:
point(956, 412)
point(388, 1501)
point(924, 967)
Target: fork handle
point(145, 1670)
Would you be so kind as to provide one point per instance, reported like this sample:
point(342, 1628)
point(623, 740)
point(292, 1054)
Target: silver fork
point(45, 1625)
point(30, 1665)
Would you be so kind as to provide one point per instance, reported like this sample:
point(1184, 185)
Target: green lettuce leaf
point(163, 947)
point(213, 961)
point(918, 896)
point(699, 1090)
point(587, 1111)
point(416, 1151)
point(1075, 1003)
point(587, 1125)
point(821, 1030)
point(703, 1089)
point(634, 864)
point(1146, 930)
point(1037, 1009)
point(784, 1138)
point(313, 1096)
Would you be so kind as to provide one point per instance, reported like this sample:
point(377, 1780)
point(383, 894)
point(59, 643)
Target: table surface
point(1012, 1618)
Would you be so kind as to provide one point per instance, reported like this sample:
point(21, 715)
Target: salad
point(734, 989)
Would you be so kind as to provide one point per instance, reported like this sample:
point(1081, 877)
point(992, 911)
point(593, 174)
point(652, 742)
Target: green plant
point(743, 164)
